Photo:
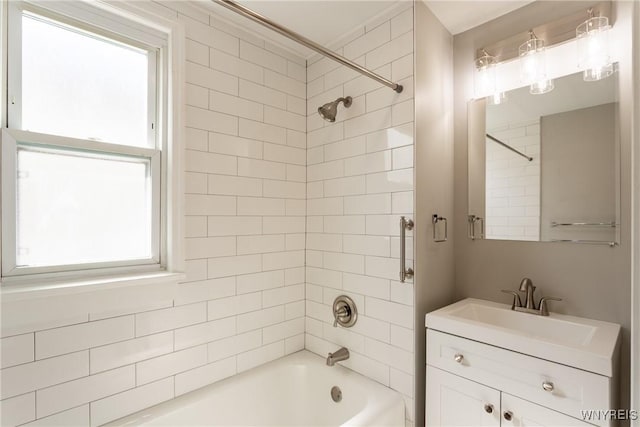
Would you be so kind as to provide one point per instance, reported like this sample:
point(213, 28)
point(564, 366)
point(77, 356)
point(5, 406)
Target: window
point(83, 170)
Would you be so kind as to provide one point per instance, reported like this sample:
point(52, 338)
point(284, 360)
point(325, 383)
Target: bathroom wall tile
point(261, 169)
point(295, 242)
point(323, 277)
point(285, 84)
point(391, 312)
point(197, 96)
point(68, 339)
point(402, 337)
point(283, 330)
point(284, 189)
point(368, 123)
point(401, 68)
point(260, 244)
point(285, 119)
point(294, 344)
point(295, 207)
point(131, 351)
point(366, 285)
point(197, 52)
point(402, 113)
point(402, 203)
point(260, 281)
point(235, 106)
point(395, 357)
point(261, 206)
point(296, 173)
point(396, 48)
point(283, 224)
point(234, 225)
point(314, 224)
point(282, 260)
point(284, 295)
point(262, 131)
point(235, 66)
point(345, 186)
point(294, 309)
point(343, 337)
point(344, 262)
point(234, 185)
point(402, 23)
point(294, 276)
point(262, 57)
point(198, 204)
point(203, 333)
point(262, 94)
point(403, 157)
point(84, 390)
point(261, 318)
point(16, 350)
point(387, 182)
point(401, 293)
point(170, 318)
point(195, 226)
point(205, 375)
point(18, 410)
point(76, 417)
point(369, 163)
point(369, 204)
point(373, 328)
point(209, 247)
point(395, 137)
point(237, 344)
point(327, 170)
point(204, 290)
point(231, 306)
point(401, 381)
point(368, 367)
point(211, 79)
point(196, 139)
point(170, 364)
point(367, 245)
point(260, 355)
point(369, 41)
point(382, 267)
point(324, 242)
point(285, 154)
point(296, 139)
point(296, 105)
point(121, 404)
point(234, 145)
point(231, 266)
point(326, 206)
point(348, 148)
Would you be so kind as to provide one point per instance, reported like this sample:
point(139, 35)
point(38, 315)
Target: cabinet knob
point(488, 408)
point(508, 415)
point(458, 358)
point(547, 386)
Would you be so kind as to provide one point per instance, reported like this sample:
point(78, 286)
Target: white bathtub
point(292, 391)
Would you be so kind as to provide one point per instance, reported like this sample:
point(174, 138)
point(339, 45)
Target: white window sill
point(153, 282)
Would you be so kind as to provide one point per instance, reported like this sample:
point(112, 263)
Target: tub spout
point(342, 354)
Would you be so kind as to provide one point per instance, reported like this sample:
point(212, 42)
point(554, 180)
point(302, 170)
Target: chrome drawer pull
point(547, 386)
point(508, 415)
point(458, 358)
point(488, 408)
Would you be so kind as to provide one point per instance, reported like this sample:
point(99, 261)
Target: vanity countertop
point(587, 344)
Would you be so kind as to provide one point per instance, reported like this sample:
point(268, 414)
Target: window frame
point(102, 23)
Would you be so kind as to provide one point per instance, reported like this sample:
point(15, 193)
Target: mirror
point(546, 167)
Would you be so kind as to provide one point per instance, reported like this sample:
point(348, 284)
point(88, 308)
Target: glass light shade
point(485, 76)
point(533, 61)
point(593, 48)
point(497, 98)
point(541, 87)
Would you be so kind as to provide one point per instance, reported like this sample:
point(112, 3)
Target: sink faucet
point(529, 303)
point(342, 354)
point(527, 286)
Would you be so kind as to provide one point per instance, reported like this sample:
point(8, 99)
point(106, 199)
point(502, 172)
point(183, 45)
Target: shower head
point(329, 110)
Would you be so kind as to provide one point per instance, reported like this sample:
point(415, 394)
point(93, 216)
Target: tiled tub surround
point(242, 303)
point(359, 183)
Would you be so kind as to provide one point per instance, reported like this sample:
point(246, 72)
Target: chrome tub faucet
point(342, 354)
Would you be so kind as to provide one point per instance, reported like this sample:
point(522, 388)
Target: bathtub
point(292, 391)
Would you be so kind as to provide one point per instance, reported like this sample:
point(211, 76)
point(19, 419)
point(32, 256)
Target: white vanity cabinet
point(488, 365)
point(474, 384)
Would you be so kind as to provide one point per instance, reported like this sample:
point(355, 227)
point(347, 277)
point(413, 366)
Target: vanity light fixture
point(486, 79)
point(533, 65)
point(593, 47)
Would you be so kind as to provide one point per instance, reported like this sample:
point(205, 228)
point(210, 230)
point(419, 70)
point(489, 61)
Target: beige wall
point(594, 281)
point(434, 280)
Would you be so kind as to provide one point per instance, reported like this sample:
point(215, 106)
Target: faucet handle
point(516, 298)
point(543, 304)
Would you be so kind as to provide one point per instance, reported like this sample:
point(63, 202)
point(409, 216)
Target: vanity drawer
point(520, 375)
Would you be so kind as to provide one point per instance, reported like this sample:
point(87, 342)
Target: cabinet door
point(454, 401)
point(526, 414)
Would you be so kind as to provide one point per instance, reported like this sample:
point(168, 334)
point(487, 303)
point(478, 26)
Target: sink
point(586, 344)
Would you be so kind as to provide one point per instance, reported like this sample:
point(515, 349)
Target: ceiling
point(326, 21)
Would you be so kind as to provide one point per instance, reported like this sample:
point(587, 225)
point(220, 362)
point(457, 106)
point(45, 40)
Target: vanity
point(489, 365)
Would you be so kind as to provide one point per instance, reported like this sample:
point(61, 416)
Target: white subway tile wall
point(243, 302)
point(359, 183)
point(513, 183)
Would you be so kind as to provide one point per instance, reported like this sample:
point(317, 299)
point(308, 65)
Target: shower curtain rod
point(248, 13)
point(509, 147)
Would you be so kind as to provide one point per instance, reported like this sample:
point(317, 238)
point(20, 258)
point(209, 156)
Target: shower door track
point(256, 17)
